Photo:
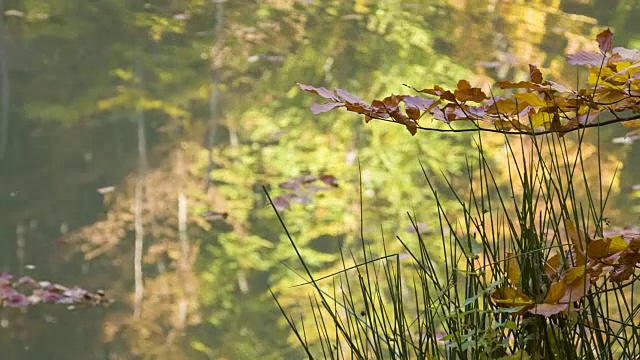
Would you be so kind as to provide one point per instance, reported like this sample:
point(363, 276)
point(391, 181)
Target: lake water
point(113, 113)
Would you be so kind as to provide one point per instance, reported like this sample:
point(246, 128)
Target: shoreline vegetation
point(529, 270)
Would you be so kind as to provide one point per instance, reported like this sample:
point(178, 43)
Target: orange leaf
point(463, 85)
point(598, 249)
point(608, 246)
point(471, 94)
point(413, 113)
point(535, 74)
point(505, 84)
point(439, 91)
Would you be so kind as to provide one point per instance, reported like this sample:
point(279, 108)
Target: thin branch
point(531, 133)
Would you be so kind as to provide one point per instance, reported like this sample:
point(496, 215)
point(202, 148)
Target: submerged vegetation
point(527, 269)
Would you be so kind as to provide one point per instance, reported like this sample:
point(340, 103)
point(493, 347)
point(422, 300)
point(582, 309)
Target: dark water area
point(137, 138)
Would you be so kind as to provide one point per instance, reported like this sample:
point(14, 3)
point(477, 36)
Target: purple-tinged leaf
point(329, 180)
point(478, 112)
point(26, 280)
point(325, 93)
point(586, 58)
point(212, 216)
point(281, 202)
point(75, 293)
point(605, 40)
point(5, 279)
point(17, 300)
point(417, 102)
point(439, 114)
point(290, 185)
point(632, 55)
point(40, 295)
point(346, 96)
point(558, 87)
point(322, 108)
point(46, 285)
point(586, 119)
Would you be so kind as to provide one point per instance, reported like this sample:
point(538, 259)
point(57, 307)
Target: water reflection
point(132, 96)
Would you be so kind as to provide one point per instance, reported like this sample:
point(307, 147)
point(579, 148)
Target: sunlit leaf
point(617, 244)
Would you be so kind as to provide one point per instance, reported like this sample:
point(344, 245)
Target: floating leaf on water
point(212, 216)
point(329, 180)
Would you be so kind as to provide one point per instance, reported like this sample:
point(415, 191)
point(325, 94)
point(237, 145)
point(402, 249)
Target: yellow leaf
point(539, 118)
point(609, 95)
point(607, 77)
point(556, 292)
point(513, 269)
point(617, 245)
point(531, 99)
point(574, 274)
point(631, 124)
point(510, 297)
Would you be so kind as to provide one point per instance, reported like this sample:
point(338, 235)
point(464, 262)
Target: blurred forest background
point(135, 138)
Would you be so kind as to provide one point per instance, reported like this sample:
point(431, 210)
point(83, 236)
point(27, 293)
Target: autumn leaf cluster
point(571, 273)
point(25, 291)
point(534, 106)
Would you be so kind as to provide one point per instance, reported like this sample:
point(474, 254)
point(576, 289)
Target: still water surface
point(110, 108)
